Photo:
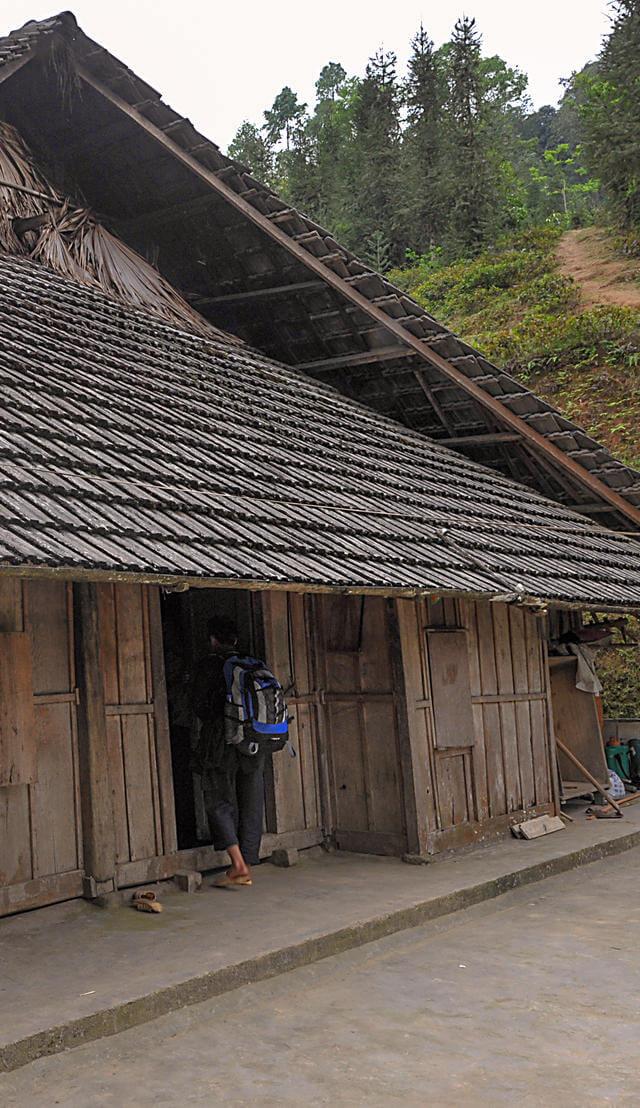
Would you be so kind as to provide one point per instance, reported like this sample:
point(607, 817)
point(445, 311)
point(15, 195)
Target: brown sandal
point(228, 882)
point(146, 902)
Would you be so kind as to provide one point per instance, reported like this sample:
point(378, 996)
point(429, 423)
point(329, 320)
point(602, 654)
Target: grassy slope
point(516, 304)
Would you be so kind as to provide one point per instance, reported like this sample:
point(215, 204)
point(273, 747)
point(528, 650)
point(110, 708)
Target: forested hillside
point(436, 162)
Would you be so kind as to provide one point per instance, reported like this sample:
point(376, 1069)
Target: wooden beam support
point(480, 440)
point(161, 719)
point(272, 230)
point(255, 294)
point(95, 791)
point(383, 354)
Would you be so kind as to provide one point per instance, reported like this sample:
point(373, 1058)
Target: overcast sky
point(220, 62)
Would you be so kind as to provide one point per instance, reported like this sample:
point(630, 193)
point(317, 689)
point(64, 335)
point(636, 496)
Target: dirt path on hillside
point(602, 278)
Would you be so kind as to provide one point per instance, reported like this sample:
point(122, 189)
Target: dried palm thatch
point(76, 245)
point(23, 191)
point(73, 243)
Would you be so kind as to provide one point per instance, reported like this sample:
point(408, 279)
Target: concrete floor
point(531, 998)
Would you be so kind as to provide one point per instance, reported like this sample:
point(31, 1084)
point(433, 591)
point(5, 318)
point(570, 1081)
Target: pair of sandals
point(146, 901)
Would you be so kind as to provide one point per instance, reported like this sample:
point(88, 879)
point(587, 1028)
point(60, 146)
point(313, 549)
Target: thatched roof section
point(36, 221)
point(258, 268)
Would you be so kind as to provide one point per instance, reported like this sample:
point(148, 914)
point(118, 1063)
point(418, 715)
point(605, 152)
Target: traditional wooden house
point(392, 520)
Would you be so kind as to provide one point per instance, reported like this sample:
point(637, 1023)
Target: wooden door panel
point(15, 835)
point(40, 831)
point(374, 654)
point(455, 803)
point(288, 782)
point(18, 745)
point(504, 770)
point(49, 615)
point(293, 787)
point(139, 767)
point(132, 645)
point(361, 725)
point(344, 727)
point(451, 688)
point(139, 786)
point(118, 792)
point(53, 799)
point(381, 758)
point(576, 723)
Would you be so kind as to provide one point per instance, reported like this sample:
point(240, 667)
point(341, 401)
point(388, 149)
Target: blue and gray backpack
point(255, 711)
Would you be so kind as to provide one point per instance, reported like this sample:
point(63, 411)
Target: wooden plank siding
point(503, 772)
point(136, 720)
point(41, 854)
point(366, 777)
point(294, 803)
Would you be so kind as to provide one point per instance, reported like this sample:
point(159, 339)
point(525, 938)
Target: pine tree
point(376, 162)
point(285, 115)
point(469, 188)
point(422, 194)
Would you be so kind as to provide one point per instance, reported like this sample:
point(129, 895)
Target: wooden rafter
point(480, 440)
point(272, 230)
point(233, 298)
point(383, 354)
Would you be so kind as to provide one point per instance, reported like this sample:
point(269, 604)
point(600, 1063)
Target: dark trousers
point(234, 801)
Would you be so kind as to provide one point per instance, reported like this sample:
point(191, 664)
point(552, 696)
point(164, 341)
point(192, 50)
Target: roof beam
point(383, 354)
point(480, 440)
point(538, 443)
point(256, 294)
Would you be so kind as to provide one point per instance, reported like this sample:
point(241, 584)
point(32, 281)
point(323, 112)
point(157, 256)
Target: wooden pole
point(95, 787)
point(589, 776)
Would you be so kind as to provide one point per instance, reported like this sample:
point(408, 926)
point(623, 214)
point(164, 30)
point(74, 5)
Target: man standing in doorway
point(233, 782)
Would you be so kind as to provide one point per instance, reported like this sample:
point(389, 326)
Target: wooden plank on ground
point(535, 828)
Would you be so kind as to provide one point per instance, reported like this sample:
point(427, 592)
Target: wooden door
point(476, 690)
point(577, 726)
point(293, 784)
point(40, 824)
point(137, 727)
point(355, 669)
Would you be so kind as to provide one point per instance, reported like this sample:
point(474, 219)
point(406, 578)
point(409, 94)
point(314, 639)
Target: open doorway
point(184, 626)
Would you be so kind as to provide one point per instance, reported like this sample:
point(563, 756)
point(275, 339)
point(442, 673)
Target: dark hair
point(223, 629)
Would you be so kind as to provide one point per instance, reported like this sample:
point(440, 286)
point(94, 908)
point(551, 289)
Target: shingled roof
point(264, 271)
point(133, 448)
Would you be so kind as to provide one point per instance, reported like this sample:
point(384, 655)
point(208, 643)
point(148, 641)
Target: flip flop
point(228, 882)
point(146, 902)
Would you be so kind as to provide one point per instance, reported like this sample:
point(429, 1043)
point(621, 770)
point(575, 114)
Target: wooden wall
point(418, 726)
point(40, 826)
point(139, 759)
point(499, 768)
